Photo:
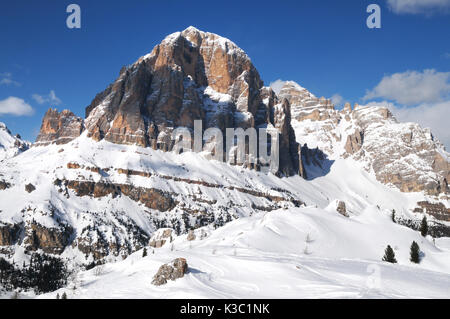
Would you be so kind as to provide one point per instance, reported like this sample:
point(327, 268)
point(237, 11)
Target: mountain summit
point(191, 75)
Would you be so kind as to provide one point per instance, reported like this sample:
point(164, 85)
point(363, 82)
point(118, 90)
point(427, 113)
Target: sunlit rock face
point(401, 154)
point(59, 127)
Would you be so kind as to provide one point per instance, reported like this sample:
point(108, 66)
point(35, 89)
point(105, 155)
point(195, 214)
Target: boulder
point(172, 271)
point(191, 235)
point(30, 188)
point(341, 208)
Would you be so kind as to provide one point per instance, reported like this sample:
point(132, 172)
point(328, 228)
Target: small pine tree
point(64, 296)
point(415, 253)
point(424, 226)
point(144, 253)
point(389, 255)
point(57, 296)
point(393, 215)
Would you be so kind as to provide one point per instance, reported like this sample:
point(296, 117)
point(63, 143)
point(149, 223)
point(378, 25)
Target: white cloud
point(426, 7)
point(277, 85)
point(412, 87)
point(51, 98)
point(15, 106)
point(337, 99)
point(6, 79)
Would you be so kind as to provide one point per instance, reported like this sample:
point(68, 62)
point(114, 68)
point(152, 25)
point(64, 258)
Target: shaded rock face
point(150, 197)
point(59, 128)
point(354, 142)
point(192, 75)
point(50, 240)
point(172, 271)
point(437, 210)
point(404, 155)
point(9, 234)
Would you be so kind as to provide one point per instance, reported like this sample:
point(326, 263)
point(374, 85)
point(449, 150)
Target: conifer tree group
point(43, 274)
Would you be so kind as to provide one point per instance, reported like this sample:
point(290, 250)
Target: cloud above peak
point(50, 98)
point(426, 7)
point(412, 87)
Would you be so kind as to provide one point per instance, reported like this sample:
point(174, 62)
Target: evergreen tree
point(389, 255)
point(393, 215)
point(424, 226)
point(415, 253)
point(144, 253)
point(64, 296)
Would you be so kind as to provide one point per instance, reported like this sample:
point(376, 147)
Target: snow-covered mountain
point(401, 154)
point(10, 145)
point(100, 189)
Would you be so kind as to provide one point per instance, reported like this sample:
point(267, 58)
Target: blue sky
point(325, 46)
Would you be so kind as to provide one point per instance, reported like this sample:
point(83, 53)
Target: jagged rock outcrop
point(59, 128)
point(50, 240)
point(401, 154)
point(172, 271)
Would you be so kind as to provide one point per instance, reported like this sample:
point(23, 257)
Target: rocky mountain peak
point(59, 127)
point(191, 75)
point(404, 155)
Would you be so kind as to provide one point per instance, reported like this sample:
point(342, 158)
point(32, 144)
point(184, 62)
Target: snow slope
point(258, 254)
point(264, 256)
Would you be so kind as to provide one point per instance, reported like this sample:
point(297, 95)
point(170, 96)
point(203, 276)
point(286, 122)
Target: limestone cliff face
point(192, 75)
point(401, 154)
point(59, 127)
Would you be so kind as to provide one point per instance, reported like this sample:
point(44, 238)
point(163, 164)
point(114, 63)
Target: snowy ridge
point(10, 145)
point(404, 155)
